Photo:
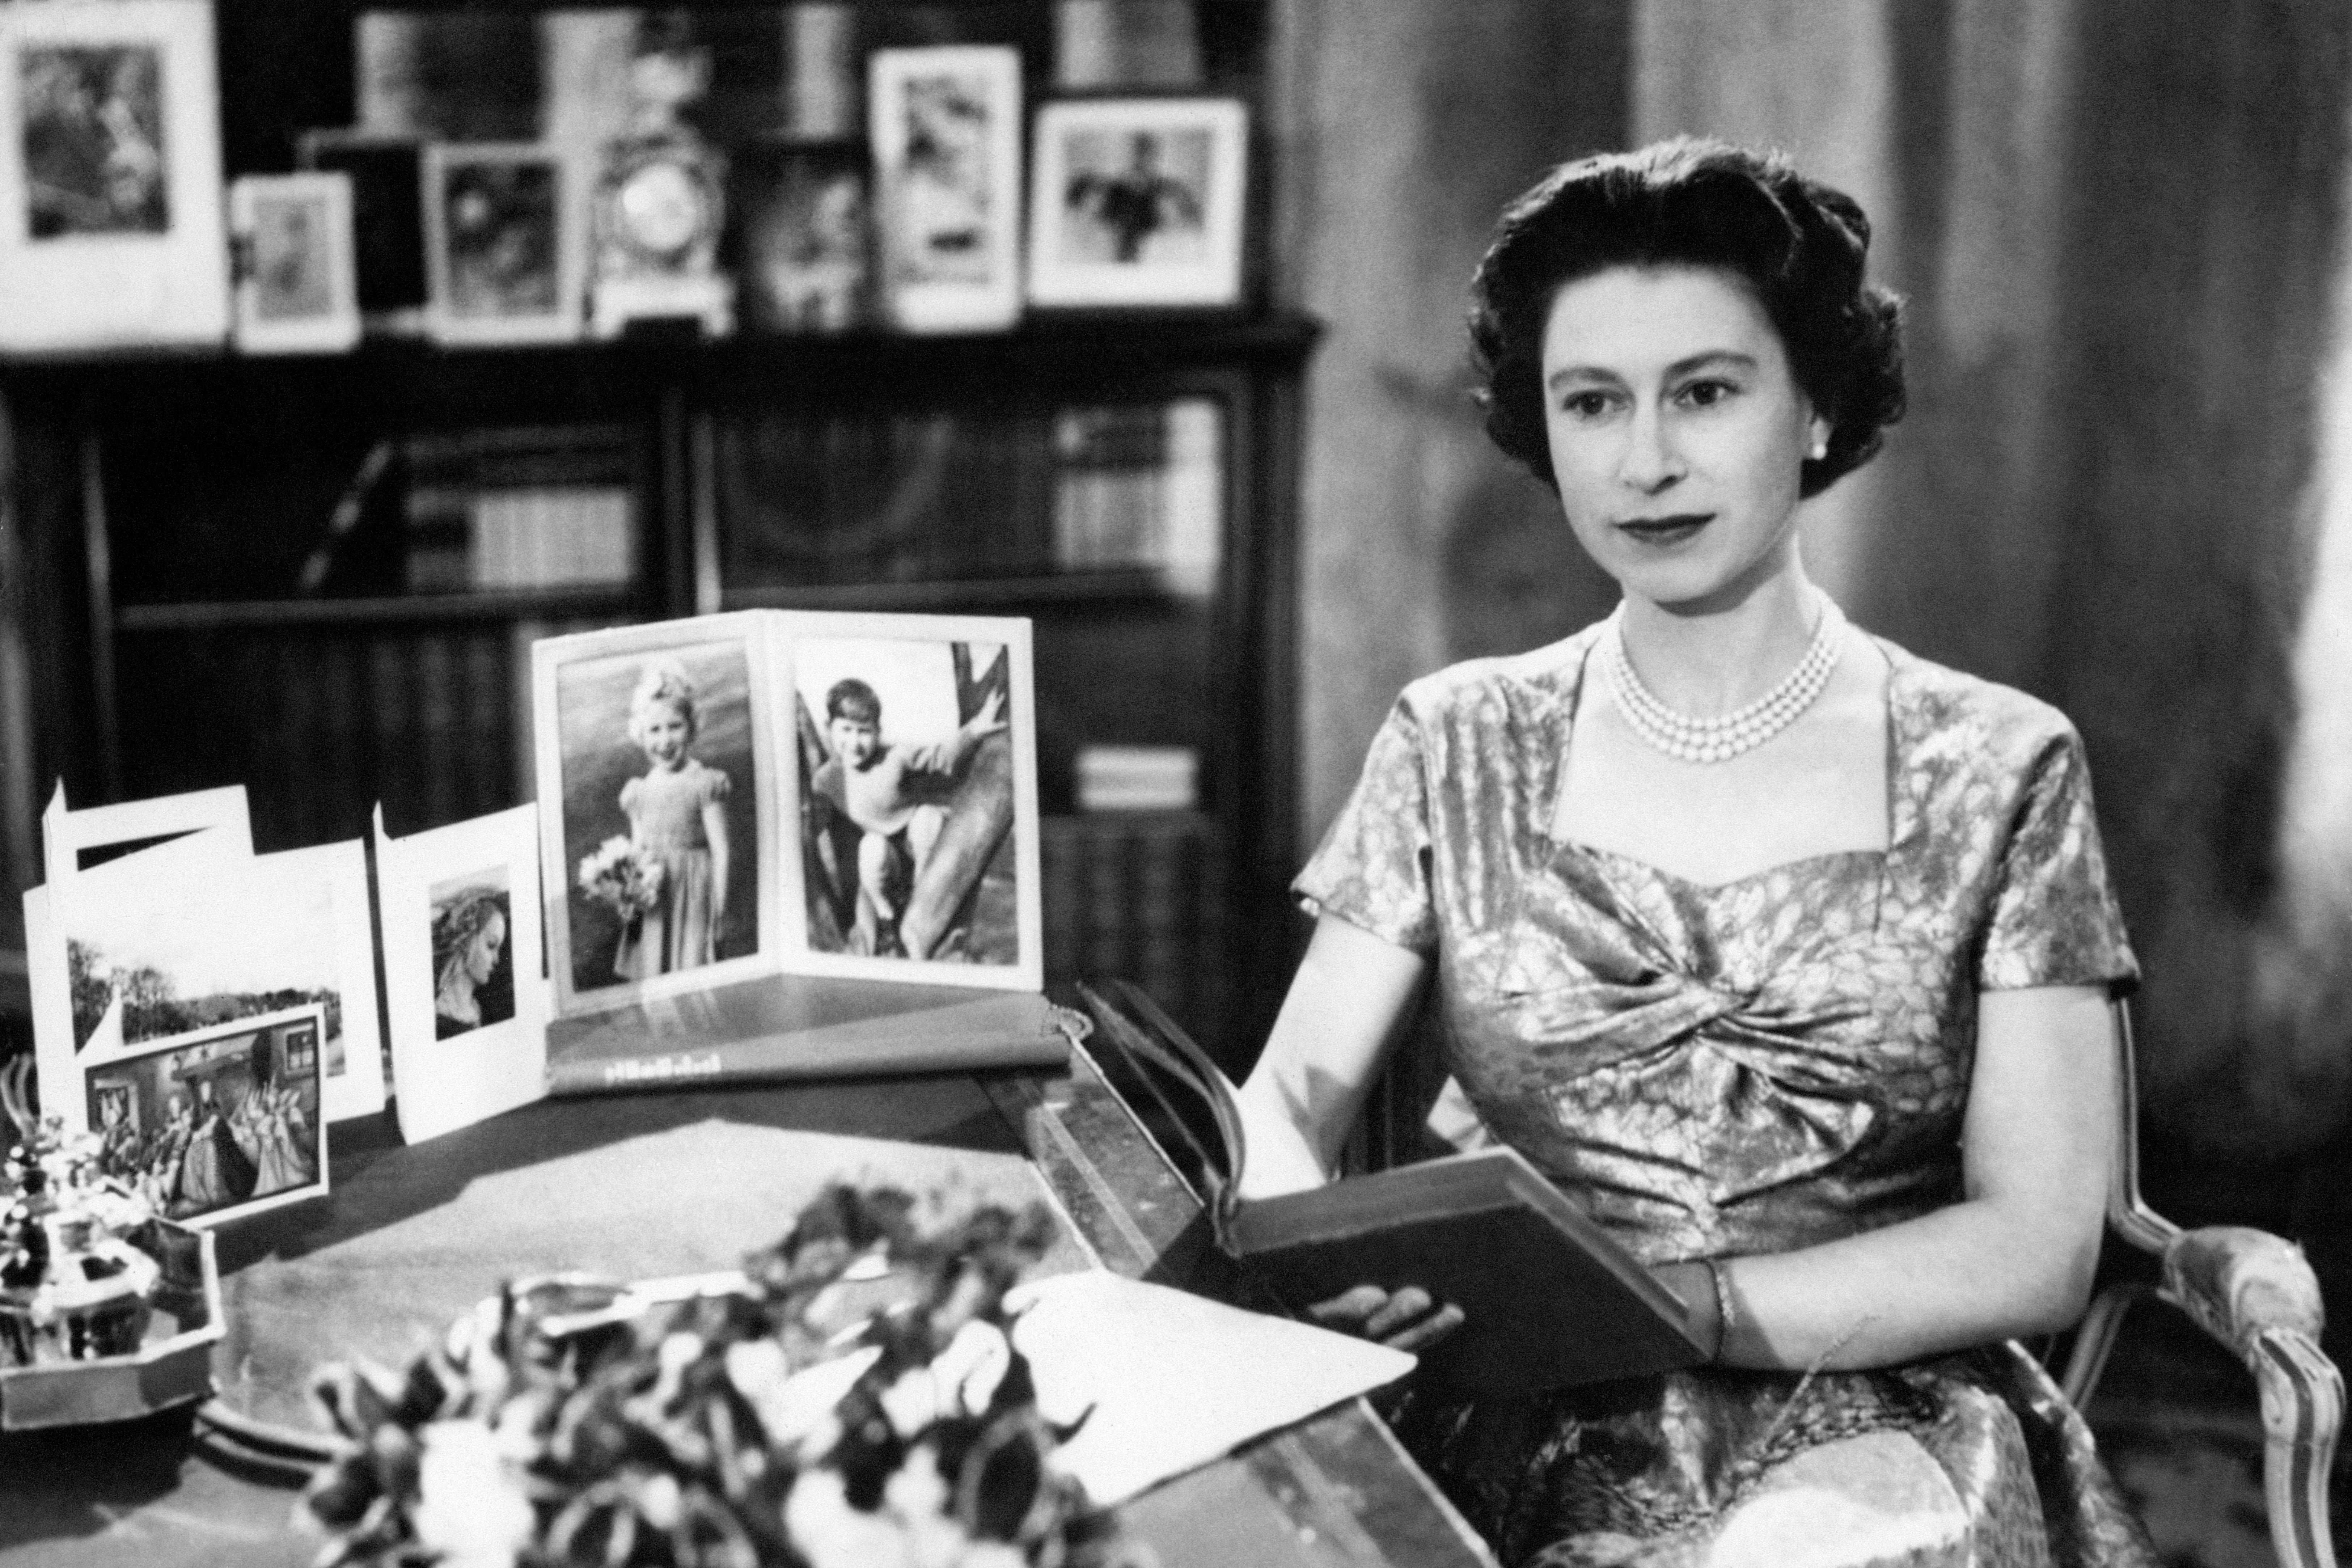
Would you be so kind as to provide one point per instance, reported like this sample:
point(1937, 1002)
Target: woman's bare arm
point(714, 829)
point(2013, 1257)
point(1352, 992)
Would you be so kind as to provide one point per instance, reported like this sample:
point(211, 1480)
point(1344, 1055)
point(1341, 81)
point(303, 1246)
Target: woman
point(1787, 952)
point(468, 935)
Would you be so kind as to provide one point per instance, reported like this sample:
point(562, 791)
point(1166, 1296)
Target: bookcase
point(219, 568)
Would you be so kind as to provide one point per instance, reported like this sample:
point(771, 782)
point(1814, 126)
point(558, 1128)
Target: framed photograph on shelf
point(463, 992)
point(804, 217)
point(110, 223)
point(1137, 202)
point(505, 239)
point(296, 290)
point(218, 1122)
point(945, 127)
point(388, 176)
point(656, 778)
point(918, 788)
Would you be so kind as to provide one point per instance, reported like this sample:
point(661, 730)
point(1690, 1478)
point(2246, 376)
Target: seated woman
point(1785, 952)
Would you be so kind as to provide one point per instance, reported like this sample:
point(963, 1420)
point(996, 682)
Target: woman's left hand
point(1406, 1319)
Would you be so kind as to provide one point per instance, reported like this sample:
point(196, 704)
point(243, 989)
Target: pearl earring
point(1820, 450)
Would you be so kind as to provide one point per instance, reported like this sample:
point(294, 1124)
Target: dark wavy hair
point(1691, 202)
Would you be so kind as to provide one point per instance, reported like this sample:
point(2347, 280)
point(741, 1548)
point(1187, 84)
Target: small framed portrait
point(1137, 202)
point(296, 291)
point(654, 751)
point(504, 243)
point(945, 128)
point(110, 221)
point(462, 988)
point(218, 1122)
point(804, 223)
point(917, 781)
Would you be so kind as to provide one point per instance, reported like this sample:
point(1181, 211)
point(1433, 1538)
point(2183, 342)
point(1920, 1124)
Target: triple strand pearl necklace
point(1727, 735)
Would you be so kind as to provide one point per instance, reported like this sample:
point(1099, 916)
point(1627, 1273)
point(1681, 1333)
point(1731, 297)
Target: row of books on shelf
point(520, 509)
point(1139, 895)
point(928, 496)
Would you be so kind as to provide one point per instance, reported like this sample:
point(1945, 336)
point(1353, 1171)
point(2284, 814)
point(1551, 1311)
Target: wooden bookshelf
point(163, 513)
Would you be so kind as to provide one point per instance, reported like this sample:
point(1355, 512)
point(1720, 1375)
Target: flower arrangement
point(616, 876)
point(852, 1401)
point(73, 1287)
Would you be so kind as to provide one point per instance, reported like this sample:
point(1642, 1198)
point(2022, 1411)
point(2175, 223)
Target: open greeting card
point(175, 944)
point(848, 801)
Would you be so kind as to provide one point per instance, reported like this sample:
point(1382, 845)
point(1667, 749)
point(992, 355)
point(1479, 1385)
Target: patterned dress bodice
point(1753, 1067)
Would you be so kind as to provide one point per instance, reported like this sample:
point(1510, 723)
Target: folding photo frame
point(878, 812)
point(505, 243)
point(217, 1123)
point(1137, 203)
point(945, 128)
point(297, 289)
point(464, 999)
point(110, 223)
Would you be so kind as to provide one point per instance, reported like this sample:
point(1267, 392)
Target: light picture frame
point(465, 1002)
point(111, 227)
point(505, 243)
point(917, 821)
point(217, 1123)
point(617, 932)
point(944, 125)
point(1137, 203)
point(297, 284)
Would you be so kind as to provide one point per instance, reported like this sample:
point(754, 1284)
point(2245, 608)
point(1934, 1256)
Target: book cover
point(789, 1026)
point(1550, 1298)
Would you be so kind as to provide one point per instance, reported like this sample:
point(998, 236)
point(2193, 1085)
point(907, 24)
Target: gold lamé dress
point(1751, 1068)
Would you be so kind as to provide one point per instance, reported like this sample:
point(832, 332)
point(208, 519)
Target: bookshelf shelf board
point(409, 609)
point(1141, 584)
point(775, 364)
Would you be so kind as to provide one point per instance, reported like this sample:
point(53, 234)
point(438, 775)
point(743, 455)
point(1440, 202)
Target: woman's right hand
point(1407, 1320)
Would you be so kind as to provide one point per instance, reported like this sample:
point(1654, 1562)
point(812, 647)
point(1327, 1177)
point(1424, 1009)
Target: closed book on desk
point(796, 1027)
point(1548, 1298)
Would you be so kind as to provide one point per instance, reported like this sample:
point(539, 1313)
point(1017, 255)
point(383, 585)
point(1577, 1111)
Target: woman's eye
point(1706, 394)
point(1585, 405)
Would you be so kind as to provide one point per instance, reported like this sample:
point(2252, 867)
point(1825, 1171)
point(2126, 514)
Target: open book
point(1550, 1298)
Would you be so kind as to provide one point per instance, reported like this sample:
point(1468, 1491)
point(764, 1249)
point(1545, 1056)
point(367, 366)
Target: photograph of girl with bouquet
point(659, 793)
point(907, 799)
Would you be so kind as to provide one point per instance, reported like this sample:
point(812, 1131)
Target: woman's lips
point(1664, 530)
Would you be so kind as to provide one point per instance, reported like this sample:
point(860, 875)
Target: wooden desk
point(1333, 1490)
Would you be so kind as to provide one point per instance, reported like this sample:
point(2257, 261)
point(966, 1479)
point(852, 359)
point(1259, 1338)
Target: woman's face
point(482, 952)
point(1676, 431)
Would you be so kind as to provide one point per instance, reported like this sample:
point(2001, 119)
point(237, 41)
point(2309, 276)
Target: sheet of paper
point(66, 833)
point(1170, 1381)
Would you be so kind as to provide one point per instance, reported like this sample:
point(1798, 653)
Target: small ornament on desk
point(660, 203)
point(85, 1267)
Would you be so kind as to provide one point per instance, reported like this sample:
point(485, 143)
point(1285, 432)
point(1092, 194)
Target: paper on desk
point(1176, 1380)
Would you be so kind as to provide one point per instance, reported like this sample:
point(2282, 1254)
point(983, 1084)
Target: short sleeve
point(630, 793)
point(2055, 921)
point(712, 787)
point(1372, 869)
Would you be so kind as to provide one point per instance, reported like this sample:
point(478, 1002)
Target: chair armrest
point(2237, 1283)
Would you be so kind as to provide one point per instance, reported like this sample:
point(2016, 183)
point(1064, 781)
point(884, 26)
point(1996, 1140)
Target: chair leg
point(2094, 1339)
point(2303, 1407)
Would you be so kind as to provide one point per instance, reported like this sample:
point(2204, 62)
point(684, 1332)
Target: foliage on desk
point(829, 1413)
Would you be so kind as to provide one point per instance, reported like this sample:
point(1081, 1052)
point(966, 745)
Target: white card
point(467, 999)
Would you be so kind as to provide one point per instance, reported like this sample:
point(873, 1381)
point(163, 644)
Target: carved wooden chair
point(2251, 1291)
